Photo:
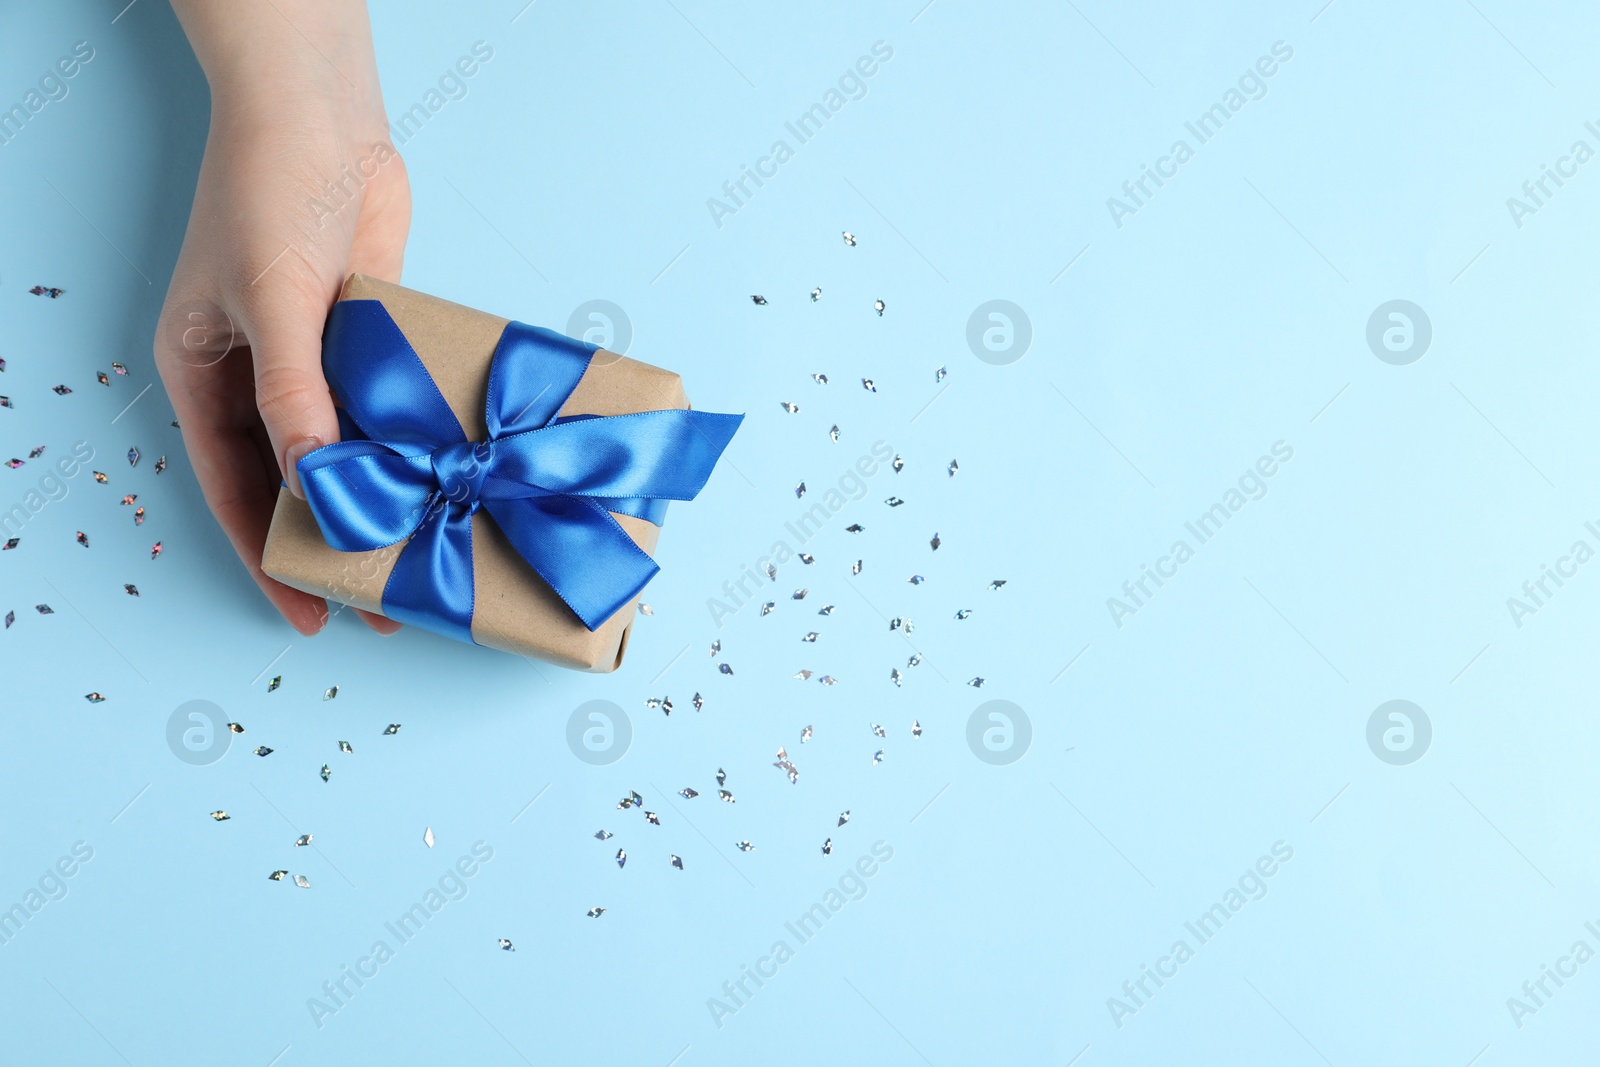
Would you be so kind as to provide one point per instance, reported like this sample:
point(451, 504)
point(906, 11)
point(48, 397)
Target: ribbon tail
point(431, 584)
point(578, 549)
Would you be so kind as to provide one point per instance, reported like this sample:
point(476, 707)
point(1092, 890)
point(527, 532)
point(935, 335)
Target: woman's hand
point(300, 186)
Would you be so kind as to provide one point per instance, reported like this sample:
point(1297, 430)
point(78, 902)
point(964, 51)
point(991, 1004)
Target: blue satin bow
point(406, 470)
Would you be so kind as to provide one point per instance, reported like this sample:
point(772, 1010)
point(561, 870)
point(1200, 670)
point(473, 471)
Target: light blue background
point(1228, 714)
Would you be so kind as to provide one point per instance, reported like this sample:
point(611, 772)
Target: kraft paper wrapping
point(513, 609)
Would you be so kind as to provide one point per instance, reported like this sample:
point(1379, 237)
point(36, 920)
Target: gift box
point(495, 482)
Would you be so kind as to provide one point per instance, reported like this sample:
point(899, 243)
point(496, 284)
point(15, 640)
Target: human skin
point(299, 187)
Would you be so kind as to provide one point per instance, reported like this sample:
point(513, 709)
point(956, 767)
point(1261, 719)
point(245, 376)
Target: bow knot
point(405, 471)
point(460, 470)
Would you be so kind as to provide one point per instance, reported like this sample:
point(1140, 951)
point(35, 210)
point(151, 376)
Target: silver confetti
point(916, 579)
point(263, 751)
point(744, 846)
point(698, 702)
point(894, 676)
point(505, 945)
point(816, 294)
point(934, 543)
point(954, 466)
point(722, 776)
point(976, 683)
point(622, 858)
point(868, 385)
point(716, 646)
point(805, 735)
point(807, 558)
point(800, 490)
point(220, 816)
point(726, 796)
point(772, 573)
point(276, 681)
point(799, 594)
point(595, 913)
point(676, 862)
point(827, 847)
point(427, 836)
point(964, 613)
point(759, 301)
point(916, 658)
point(898, 464)
point(803, 675)
point(879, 731)
point(820, 379)
point(604, 835)
point(330, 693)
point(392, 728)
point(938, 375)
point(687, 793)
point(792, 409)
point(916, 728)
point(644, 609)
point(855, 568)
point(878, 306)
point(652, 818)
point(894, 624)
point(827, 609)
point(278, 876)
point(344, 746)
point(828, 679)
point(302, 841)
point(767, 608)
point(849, 238)
point(724, 668)
point(855, 527)
point(844, 817)
point(998, 583)
point(302, 881)
point(877, 757)
point(810, 638)
point(326, 773)
point(894, 502)
point(833, 432)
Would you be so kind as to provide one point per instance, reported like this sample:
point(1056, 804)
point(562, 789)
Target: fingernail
point(296, 452)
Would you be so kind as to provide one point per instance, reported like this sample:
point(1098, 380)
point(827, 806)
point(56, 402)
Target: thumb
point(284, 327)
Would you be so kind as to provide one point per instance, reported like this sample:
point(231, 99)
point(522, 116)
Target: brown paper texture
point(513, 608)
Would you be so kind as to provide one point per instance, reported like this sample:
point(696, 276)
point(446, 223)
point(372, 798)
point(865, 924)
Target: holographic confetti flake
point(61, 390)
point(5, 402)
point(954, 466)
point(916, 728)
point(119, 368)
point(638, 801)
point(155, 550)
point(916, 658)
point(11, 542)
point(833, 433)
point(792, 409)
point(894, 502)
point(877, 757)
point(94, 698)
point(14, 463)
point(604, 835)
point(767, 608)
point(11, 617)
point(302, 881)
point(277, 680)
point(427, 836)
point(302, 841)
point(916, 579)
point(675, 861)
point(278, 876)
point(83, 539)
point(938, 375)
point(998, 583)
point(219, 816)
point(898, 464)
point(46, 290)
point(595, 913)
point(849, 238)
point(330, 693)
point(644, 609)
point(976, 683)
point(807, 558)
point(879, 731)
point(816, 294)
point(235, 728)
point(854, 527)
point(722, 776)
point(894, 676)
point(810, 638)
point(804, 676)
point(625, 803)
point(878, 306)
point(799, 490)
point(130, 498)
point(622, 858)
point(37, 452)
point(759, 301)
point(827, 847)
point(726, 796)
point(799, 594)
point(828, 679)
point(161, 464)
point(101, 377)
point(133, 457)
point(934, 542)
point(326, 773)
point(505, 945)
point(344, 746)
point(44, 609)
point(820, 379)
point(869, 385)
point(263, 751)
point(908, 626)
point(743, 846)
point(964, 613)
point(772, 573)
point(806, 735)
point(716, 646)
point(724, 668)
point(652, 818)
point(687, 793)
point(138, 516)
point(698, 702)
point(99, 477)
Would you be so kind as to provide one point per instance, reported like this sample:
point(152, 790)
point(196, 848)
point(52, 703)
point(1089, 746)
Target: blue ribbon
point(405, 469)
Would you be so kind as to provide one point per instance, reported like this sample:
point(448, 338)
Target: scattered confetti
point(652, 818)
point(427, 836)
point(722, 776)
point(302, 881)
point(867, 383)
point(807, 558)
point(916, 728)
point(810, 638)
point(130, 498)
point(916, 658)
point(644, 609)
point(998, 583)
point(46, 290)
point(849, 238)
point(676, 862)
point(878, 306)
point(768, 607)
point(344, 746)
point(898, 464)
point(326, 773)
point(595, 913)
point(976, 683)
point(278, 876)
point(877, 757)
point(11, 542)
point(799, 594)
point(916, 579)
point(964, 613)
point(879, 731)
point(772, 573)
point(854, 527)
point(938, 375)
point(44, 609)
point(816, 294)
point(698, 701)
point(716, 646)
point(14, 463)
point(820, 379)
point(505, 945)
point(934, 542)
point(759, 301)
point(161, 464)
point(119, 368)
point(827, 847)
point(155, 549)
point(833, 433)
point(799, 490)
point(724, 668)
point(101, 377)
point(138, 516)
point(83, 539)
point(277, 680)
point(743, 846)
point(99, 477)
point(844, 816)
point(894, 676)
point(330, 692)
point(604, 835)
point(894, 502)
point(5, 402)
point(954, 466)
point(726, 796)
point(133, 457)
point(804, 676)
point(37, 452)
point(11, 617)
point(828, 679)
point(302, 841)
point(94, 698)
point(622, 858)
point(219, 816)
point(792, 409)
point(263, 751)
point(688, 793)
point(806, 735)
